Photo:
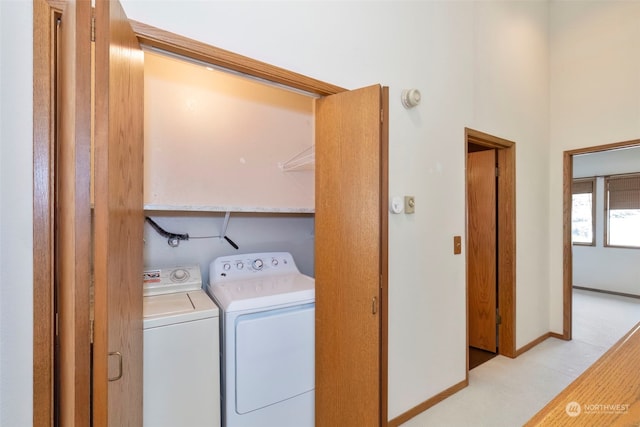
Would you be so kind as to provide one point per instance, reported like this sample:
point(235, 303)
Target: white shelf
point(248, 209)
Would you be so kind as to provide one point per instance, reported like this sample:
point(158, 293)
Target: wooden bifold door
point(99, 240)
point(350, 234)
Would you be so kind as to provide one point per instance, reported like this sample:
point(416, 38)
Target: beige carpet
point(508, 392)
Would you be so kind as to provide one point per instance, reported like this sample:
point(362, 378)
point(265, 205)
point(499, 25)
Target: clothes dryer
point(267, 340)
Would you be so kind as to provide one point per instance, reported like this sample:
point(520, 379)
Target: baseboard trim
point(403, 418)
point(537, 341)
point(602, 291)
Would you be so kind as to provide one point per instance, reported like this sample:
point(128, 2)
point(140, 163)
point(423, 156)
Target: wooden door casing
point(118, 220)
point(506, 232)
point(567, 246)
point(482, 279)
point(348, 257)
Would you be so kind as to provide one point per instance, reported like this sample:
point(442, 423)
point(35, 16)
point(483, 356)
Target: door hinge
point(498, 318)
point(497, 171)
point(91, 332)
point(55, 324)
point(93, 28)
point(381, 116)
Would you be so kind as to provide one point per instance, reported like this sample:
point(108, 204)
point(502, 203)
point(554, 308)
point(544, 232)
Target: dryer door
point(275, 356)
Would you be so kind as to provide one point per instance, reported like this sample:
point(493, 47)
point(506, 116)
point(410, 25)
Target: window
point(622, 204)
point(582, 211)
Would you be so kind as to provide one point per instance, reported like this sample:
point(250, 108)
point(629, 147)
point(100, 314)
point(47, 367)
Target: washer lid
point(161, 310)
point(263, 292)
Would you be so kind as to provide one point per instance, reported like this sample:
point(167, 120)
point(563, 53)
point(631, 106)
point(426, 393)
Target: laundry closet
point(228, 160)
point(340, 240)
point(228, 186)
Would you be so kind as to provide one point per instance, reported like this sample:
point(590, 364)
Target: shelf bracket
point(223, 232)
point(225, 224)
point(303, 160)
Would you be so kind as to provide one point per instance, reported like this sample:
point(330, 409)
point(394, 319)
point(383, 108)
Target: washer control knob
point(227, 267)
point(274, 262)
point(179, 275)
point(258, 264)
point(240, 266)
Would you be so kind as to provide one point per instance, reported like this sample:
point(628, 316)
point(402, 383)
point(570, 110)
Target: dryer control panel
point(169, 280)
point(246, 266)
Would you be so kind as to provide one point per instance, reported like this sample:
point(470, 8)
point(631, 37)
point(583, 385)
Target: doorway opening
point(45, 409)
point(491, 243)
point(567, 264)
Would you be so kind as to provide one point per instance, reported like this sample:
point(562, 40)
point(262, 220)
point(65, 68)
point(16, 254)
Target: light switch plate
point(457, 245)
point(409, 204)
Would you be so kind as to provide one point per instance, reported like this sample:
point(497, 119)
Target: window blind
point(582, 186)
point(624, 192)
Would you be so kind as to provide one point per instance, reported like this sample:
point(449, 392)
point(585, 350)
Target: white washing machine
point(181, 374)
point(267, 339)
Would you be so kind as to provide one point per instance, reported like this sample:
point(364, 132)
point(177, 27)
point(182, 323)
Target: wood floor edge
point(416, 410)
point(611, 378)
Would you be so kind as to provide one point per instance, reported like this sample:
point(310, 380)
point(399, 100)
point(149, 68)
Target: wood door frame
point(45, 13)
point(506, 158)
point(567, 247)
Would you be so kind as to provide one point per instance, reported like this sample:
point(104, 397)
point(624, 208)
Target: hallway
point(508, 392)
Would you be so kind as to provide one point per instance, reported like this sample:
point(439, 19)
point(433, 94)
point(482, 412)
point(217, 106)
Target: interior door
point(72, 215)
point(118, 220)
point(482, 250)
point(350, 174)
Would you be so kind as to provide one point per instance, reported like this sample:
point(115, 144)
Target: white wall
point(16, 259)
point(215, 140)
point(292, 233)
point(482, 65)
point(512, 101)
point(594, 97)
point(600, 267)
point(610, 162)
